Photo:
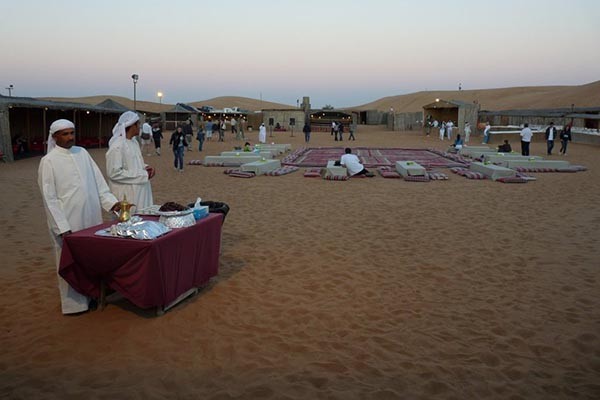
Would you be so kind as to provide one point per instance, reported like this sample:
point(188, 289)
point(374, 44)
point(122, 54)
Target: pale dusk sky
point(337, 52)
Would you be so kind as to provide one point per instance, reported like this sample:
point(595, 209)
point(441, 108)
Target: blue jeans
point(178, 157)
point(486, 138)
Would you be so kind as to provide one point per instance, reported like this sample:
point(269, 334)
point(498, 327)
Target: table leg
point(102, 300)
point(160, 310)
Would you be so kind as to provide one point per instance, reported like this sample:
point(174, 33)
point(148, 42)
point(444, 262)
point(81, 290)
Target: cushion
point(312, 173)
point(438, 176)
point(336, 178)
point(512, 179)
point(282, 171)
point(195, 162)
point(242, 174)
point(213, 164)
point(416, 178)
point(473, 175)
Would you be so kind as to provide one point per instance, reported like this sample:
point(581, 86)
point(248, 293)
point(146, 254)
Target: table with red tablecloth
point(149, 273)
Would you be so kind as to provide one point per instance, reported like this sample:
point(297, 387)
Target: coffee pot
point(124, 213)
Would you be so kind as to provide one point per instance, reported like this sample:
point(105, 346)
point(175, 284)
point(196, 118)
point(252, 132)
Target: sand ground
point(365, 289)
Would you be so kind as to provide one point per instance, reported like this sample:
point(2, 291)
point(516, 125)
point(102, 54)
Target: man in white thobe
point(74, 193)
point(262, 133)
point(146, 138)
point(128, 176)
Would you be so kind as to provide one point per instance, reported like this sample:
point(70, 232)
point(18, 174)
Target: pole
point(10, 89)
point(134, 97)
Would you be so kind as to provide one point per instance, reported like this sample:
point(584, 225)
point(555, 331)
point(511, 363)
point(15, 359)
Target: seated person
point(247, 147)
point(352, 163)
point(458, 143)
point(504, 148)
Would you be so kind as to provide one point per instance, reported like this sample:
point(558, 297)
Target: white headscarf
point(126, 119)
point(56, 126)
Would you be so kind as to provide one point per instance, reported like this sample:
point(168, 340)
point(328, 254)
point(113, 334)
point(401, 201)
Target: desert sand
point(365, 289)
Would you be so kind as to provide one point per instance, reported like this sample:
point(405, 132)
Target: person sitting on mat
point(352, 163)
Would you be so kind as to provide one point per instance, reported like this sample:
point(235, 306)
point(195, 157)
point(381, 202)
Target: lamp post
point(135, 78)
point(160, 96)
point(10, 89)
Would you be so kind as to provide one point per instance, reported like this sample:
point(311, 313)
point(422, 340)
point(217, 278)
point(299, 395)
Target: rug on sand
point(371, 157)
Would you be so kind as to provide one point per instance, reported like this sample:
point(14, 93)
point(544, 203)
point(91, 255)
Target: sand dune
point(490, 99)
point(365, 289)
point(497, 99)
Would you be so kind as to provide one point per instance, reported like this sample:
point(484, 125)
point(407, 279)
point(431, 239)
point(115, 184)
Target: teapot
point(124, 213)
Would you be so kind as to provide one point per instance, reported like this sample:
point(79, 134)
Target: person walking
point(209, 130)
point(188, 131)
point(352, 129)
point(526, 135)
point(550, 137)
point(179, 144)
point(467, 132)
point(486, 133)
point(200, 137)
point(262, 133)
point(222, 127)
point(146, 137)
point(306, 131)
point(157, 136)
point(565, 138)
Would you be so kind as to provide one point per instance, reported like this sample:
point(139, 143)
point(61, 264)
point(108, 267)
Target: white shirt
point(73, 189)
point(551, 133)
point(146, 128)
point(127, 175)
point(526, 134)
point(351, 162)
point(262, 134)
point(486, 130)
point(74, 193)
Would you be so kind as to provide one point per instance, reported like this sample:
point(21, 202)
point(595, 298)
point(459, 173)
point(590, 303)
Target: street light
point(10, 89)
point(160, 96)
point(135, 78)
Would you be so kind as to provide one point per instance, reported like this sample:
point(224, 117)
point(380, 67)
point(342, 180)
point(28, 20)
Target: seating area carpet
point(372, 157)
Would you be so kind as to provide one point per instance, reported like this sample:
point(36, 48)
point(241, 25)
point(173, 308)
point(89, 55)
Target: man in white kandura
point(74, 193)
point(146, 138)
point(127, 173)
point(262, 134)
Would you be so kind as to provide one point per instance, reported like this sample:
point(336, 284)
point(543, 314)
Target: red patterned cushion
point(336, 178)
point(416, 178)
point(512, 179)
point(195, 162)
point(473, 175)
point(242, 174)
point(438, 176)
point(282, 171)
point(312, 173)
point(231, 170)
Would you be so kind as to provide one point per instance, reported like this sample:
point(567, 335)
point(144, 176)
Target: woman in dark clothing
point(157, 136)
point(179, 145)
point(565, 138)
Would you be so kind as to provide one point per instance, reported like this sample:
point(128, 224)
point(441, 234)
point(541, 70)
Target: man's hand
point(116, 207)
point(151, 172)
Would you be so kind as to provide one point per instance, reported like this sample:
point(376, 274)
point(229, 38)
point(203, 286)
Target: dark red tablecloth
point(149, 273)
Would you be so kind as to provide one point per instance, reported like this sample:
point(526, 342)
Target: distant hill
point(531, 97)
point(217, 102)
point(244, 103)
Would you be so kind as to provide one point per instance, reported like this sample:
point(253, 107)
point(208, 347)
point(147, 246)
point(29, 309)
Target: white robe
point(127, 175)
point(74, 193)
point(262, 134)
